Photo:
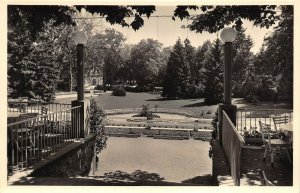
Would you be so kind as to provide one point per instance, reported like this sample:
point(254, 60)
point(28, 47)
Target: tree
point(36, 16)
point(242, 58)
point(163, 60)
point(199, 59)
point(49, 60)
point(215, 18)
point(184, 73)
point(213, 74)
point(172, 84)
point(274, 62)
point(144, 62)
point(190, 60)
point(211, 19)
point(103, 51)
point(20, 66)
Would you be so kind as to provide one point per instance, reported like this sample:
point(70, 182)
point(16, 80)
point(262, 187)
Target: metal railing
point(232, 143)
point(18, 111)
point(247, 119)
point(32, 140)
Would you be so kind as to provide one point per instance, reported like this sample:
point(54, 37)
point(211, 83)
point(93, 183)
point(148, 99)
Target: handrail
point(40, 116)
point(234, 128)
point(32, 102)
point(33, 139)
point(248, 118)
point(263, 109)
point(232, 143)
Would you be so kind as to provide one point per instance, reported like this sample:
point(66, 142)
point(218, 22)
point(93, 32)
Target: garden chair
point(272, 145)
point(264, 180)
point(279, 120)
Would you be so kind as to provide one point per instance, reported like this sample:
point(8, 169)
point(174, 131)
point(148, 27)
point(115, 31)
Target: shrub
point(145, 112)
point(98, 87)
point(97, 126)
point(63, 86)
point(118, 91)
point(139, 88)
point(214, 123)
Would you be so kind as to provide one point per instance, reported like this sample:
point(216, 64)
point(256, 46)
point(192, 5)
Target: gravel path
point(167, 160)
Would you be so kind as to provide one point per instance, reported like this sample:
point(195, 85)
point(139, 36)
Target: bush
point(214, 124)
point(139, 88)
point(195, 91)
point(98, 87)
point(97, 126)
point(63, 86)
point(118, 91)
point(145, 112)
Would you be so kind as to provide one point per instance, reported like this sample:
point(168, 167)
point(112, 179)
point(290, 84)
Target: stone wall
point(220, 166)
point(204, 134)
point(76, 160)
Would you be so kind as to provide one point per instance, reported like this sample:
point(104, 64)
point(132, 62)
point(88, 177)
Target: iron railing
point(232, 143)
point(18, 111)
point(248, 119)
point(32, 140)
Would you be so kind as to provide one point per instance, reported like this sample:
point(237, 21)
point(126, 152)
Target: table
point(287, 129)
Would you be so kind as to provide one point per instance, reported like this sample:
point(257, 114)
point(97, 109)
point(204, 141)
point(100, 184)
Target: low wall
point(201, 134)
point(75, 160)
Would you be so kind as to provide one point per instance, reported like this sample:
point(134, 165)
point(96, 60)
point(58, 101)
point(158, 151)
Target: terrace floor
point(252, 163)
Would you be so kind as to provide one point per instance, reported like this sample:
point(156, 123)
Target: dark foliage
point(213, 75)
point(97, 126)
point(215, 18)
point(37, 15)
point(118, 91)
point(214, 124)
point(145, 112)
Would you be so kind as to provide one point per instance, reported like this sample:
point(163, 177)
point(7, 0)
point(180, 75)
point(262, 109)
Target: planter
point(254, 141)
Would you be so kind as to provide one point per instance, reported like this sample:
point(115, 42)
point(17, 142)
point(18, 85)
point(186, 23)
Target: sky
point(167, 31)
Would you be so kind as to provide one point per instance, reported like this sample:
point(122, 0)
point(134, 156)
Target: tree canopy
point(209, 18)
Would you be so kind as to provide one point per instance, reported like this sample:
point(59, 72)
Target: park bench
point(97, 92)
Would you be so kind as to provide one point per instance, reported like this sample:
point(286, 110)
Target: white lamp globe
point(228, 34)
point(79, 37)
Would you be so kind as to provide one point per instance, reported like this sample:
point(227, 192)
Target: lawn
point(134, 100)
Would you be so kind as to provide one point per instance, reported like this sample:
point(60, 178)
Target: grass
point(134, 100)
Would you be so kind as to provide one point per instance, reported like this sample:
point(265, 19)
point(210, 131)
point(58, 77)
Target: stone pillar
point(227, 106)
point(81, 116)
point(227, 72)
point(80, 72)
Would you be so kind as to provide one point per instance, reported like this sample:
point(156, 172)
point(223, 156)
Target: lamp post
point(80, 39)
point(227, 35)
point(80, 117)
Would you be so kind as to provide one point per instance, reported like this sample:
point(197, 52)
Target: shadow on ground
point(117, 178)
point(200, 104)
point(252, 159)
point(205, 180)
point(161, 99)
